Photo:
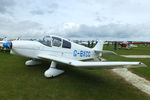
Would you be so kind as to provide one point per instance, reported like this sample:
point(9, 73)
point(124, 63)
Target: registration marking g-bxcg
point(81, 53)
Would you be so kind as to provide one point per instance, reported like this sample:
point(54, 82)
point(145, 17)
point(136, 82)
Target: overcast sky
point(99, 19)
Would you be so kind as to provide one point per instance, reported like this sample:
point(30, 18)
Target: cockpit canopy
point(55, 41)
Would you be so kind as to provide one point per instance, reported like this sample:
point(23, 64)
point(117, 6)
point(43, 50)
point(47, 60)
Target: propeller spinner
point(7, 45)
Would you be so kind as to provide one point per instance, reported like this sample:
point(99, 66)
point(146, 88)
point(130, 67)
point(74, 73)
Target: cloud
point(49, 9)
point(26, 25)
point(5, 5)
point(52, 8)
point(120, 31)
point(11, 28)
point(37, 12)
point(91, 18)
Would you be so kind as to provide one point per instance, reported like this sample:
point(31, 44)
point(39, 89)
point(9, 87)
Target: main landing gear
point(53, 71)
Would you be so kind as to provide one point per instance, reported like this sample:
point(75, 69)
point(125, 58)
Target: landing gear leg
point(53, 71)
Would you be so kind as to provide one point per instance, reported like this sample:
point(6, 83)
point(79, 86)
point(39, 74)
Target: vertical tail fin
point(99, 46)
point(99, 49)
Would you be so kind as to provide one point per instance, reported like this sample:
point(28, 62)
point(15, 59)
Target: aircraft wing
point(104, 65)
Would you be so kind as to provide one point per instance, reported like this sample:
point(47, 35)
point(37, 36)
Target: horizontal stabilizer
point(105, 52)
point(109, 52)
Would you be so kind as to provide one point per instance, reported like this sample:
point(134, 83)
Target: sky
point(85, 19)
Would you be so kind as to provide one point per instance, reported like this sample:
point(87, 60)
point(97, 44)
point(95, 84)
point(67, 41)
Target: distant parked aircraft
point(127, 45)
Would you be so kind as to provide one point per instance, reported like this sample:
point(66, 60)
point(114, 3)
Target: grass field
point(140, 50)
point(19, 82)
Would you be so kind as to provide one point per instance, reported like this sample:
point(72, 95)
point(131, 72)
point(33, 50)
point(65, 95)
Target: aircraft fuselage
point(31, 49)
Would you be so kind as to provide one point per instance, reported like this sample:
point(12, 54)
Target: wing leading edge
point(105, 65)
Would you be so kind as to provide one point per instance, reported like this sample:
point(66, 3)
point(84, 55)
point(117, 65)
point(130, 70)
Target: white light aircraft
point(60, 50)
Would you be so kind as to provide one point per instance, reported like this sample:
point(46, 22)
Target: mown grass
point(140, 50)
point(19, 82)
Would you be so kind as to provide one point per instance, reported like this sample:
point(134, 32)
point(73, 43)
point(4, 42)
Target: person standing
point(115, 45)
